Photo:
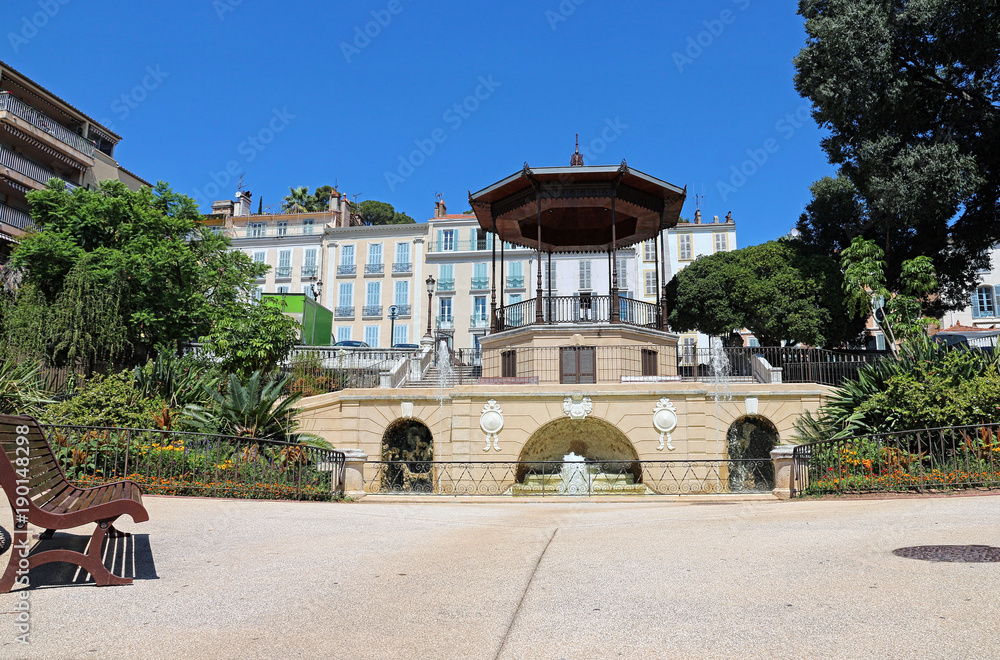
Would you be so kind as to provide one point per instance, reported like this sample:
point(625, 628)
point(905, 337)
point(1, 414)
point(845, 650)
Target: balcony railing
point(17, 107)
point(15, 218)
point(404, 310)
point(446, 285)
point(372, 311)
point(475, 245)
point(578, 309)
point(29, 168)
point(309, 271)
point(283, 271)
point(344, 312)
point(403, 268)
point(515, 281)
point(480, 283)
point(347, 269)
point(374, 269)
point(479, 321)
point(446, 322)
point(270, 231)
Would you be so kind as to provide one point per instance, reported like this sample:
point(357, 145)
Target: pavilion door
point(578, 365)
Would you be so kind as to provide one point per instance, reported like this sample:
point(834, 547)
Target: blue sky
point(398, 100)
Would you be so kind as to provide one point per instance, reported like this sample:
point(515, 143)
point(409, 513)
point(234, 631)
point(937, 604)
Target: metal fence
point(578, 309)
point(556, 478)
point(617, 364)
point(178, 463)
point(927, 459)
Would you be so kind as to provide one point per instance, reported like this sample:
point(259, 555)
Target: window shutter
point(588, 365)
point(976, 312)
point(567, 365)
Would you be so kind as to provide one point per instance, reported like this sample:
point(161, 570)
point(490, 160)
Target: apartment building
point(376, 273)
point(43, 137)
point(984, 307)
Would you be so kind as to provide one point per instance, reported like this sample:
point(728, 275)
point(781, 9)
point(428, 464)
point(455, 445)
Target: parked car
point(352, 344)
point(407, 347)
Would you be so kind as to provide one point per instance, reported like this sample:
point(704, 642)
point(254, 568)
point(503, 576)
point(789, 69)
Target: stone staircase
point(468, 375)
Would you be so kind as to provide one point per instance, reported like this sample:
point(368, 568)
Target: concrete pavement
point(656, 579)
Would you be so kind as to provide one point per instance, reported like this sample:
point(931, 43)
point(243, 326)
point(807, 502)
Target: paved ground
point(225, 579)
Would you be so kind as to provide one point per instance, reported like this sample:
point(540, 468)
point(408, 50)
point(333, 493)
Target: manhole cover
point(976, 554)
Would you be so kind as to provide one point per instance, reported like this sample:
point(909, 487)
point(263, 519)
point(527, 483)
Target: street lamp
point(430, 302)
point(393, 315)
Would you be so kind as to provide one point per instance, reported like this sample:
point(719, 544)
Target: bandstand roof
point(576, 204)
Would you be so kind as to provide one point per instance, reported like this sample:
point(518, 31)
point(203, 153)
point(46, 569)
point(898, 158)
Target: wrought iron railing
point(474, 245)
point(16, 106)
point(921, 460)
point(515, 282)
point(374, 269)
point(578, 309)
point(446, 285)
point(555, 478)
point(347, 269)
point(404, 310)
point(344, 312)
point(316, 372)
point(179, 463)
point(798, 365)
point(15, 218)
point(402, 267)
point(29, 168)
point(480, 283)
point(372, 311)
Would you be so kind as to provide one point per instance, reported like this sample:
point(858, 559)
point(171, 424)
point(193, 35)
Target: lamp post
point(393, 315)
point(430, 302)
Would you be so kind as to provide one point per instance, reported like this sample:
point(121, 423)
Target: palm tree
point(254, 409)
point(298, 201)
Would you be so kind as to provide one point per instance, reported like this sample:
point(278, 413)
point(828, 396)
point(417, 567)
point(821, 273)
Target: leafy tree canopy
point(781, 291)
point(118, 270)
point(252, 337)
point(381, 213)
point(910, 95)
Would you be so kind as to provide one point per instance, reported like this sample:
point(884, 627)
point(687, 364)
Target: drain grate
point(971, 554)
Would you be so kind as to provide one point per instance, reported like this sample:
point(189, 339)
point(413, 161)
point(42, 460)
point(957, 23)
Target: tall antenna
point(697, 201)
point(240, 188)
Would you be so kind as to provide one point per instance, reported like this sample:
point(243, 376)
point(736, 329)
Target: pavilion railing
point(555, 478)
point(578, 309)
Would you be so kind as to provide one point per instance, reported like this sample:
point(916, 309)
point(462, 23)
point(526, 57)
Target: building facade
point(984, 307)
point(43, 137)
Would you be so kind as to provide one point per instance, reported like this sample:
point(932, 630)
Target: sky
point(402, 100)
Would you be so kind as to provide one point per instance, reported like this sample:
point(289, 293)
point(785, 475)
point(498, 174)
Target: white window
point(446, 240)
point(880, 342)
point(649, 250)
point(401, 334)
point(622, 273)
point(309, 263)
point(480, 277)
point(347, 255)
point(684, 252)
point(375, 253)
point(282, 227)
point(258, 292)
point(402, 296)
point(515, 277)
point(373, 298)
point(585, 281)
point(307, 226)
point(284, 264)
point(479, 315)
point(721, 242)
point(446, 277)
point(256, 229)
point(515, 298)
point(550, 276)
point(260, 257)
point(371, 335)
point(689, 346)
point(402, 254)
point(445, 306)
point(283, 288)
point(344, 333)
point(984, 303)
point(345, 297)
point(308, 290)
point(650, 282)
point(753, 342)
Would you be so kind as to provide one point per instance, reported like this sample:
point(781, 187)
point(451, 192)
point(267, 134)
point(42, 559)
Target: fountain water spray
point(720, 369)
point(573, 477)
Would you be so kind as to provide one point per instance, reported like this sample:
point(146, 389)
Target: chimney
point(697, 217)
point(715, 219)
point(440, 210)
point(334, 204)
point(242, 207)
point(222, 207)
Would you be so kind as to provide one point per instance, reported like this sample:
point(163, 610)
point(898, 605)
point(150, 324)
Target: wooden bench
point(39, 494)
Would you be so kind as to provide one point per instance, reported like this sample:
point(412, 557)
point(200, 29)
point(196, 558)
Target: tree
point(381, 213)
point(253, 336)
point(299, 200)
point(896, 312)
point(115, 274)
point(780, 291)
point(910, 95)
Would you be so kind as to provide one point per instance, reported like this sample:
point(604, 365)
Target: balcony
point(347, 269)
point(263, 230)
point(344, 312)
point(283, 272)
point(446, 285)
point(445, 323)
point(480, 320)
point(15, 218)
point(404, 268)
point(372, 311)
point(480, 284)
point(18, 108)
point(475, 245)
point(309, 271)
point(374, 269)
point(515, 281)
point(404, 311)
point(15, 161)
point(584, 309)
